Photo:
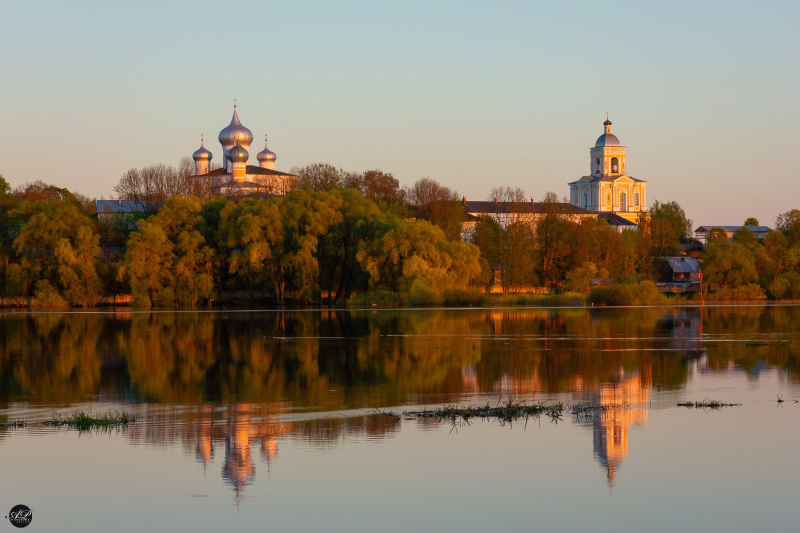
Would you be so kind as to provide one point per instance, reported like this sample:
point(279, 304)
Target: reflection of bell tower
point(204, 452)
point(239, 469)
point(626, 399)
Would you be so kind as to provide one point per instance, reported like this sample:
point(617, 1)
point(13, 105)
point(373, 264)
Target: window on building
point(585, 200)
point(614, 166)
point(636, 199)
point(623, 203)
point(608, 198)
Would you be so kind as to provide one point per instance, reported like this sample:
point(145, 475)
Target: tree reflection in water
point(229, 374)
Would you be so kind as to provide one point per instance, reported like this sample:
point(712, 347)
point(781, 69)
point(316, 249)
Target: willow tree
point(410, 255)
point(57, 243)
point(168, 259)
point(77, 274)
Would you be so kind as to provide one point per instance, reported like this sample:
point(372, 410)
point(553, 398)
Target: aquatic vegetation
point(508, 411)
point(83, 421)
point(707, 404)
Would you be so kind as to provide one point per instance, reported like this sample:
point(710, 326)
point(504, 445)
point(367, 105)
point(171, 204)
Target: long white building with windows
point(608, 187)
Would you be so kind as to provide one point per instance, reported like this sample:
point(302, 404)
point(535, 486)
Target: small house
point(701, 233)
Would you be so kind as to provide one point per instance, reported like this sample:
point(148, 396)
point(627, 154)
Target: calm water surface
point(265, 420)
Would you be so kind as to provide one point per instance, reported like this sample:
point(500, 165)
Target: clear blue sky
point(705, 95)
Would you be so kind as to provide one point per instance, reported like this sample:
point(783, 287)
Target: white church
point(235, 176)
point(608, 188)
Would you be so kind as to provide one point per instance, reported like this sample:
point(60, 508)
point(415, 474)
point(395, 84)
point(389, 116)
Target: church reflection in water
point(250, 433)
point(230, 390)
point(625, 398)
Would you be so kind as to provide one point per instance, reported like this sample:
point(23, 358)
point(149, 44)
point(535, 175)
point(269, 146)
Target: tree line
point(344, 233)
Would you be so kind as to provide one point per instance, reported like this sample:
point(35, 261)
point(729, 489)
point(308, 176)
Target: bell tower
point(608, 155)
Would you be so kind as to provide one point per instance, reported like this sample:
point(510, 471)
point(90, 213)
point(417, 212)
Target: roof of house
point(754, 229)
point(119, 206)
point(249, 169)
point(490, 207)
point(615, 220)
point(683, 264)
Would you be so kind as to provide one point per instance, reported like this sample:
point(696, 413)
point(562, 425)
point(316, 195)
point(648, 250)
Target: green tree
point(410, 254)
point(77, 272)
point(747, 238)
point(148, 265)
point(751, 221)
point(253, 231)
point(580, 279)
point(43, 225)
point(340, 272)
point(307, 216)
point(279, 240)
point(668, 227)
point(729, 265)
point(716, 235)
point(788, 223)
point(553, 240)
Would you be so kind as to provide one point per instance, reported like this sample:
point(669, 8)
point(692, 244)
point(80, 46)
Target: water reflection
point(231, 379)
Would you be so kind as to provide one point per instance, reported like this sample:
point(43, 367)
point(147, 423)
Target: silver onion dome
point(238, 154)
point(266, 154)
point(202, 154)
point(233, 131)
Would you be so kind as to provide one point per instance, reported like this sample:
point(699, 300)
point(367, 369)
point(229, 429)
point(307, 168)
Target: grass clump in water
point(707, 404)
point(83, 421)
point(508, 411)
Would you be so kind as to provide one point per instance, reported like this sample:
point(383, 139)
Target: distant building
point(682, 275)
point(608, 188)
point(107, 209)
point(235, 176)
point(684, 269)
point(505, 213)
point(701, 233)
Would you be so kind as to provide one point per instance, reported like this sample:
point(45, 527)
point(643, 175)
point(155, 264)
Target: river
point(279, 420)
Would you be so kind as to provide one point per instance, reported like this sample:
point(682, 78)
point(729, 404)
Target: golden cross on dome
point(234, 103)
point(606, 115)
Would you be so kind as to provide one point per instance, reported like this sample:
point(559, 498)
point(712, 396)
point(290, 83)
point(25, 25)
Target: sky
point(704, 95)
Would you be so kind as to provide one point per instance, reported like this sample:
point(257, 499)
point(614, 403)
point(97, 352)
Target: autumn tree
point(44, 224)
point(553, 239)
point(375, 185)
point(729, 265)
point(669, 227)
point(580, 279)
point(788, 223)
point(168, 260)
point(340, 272)
point(150, 186)
point(437, 204)
point(77, 272)
point(319, 177)
point(716, 235)
point(410, 256)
